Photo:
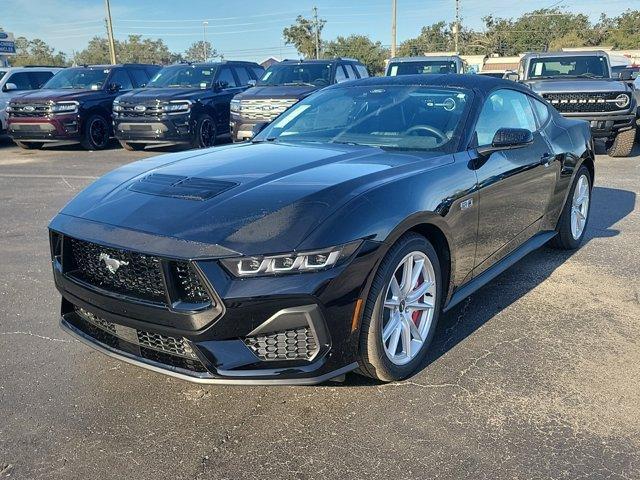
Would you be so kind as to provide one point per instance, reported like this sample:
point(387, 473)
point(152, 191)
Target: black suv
point(284, 84)
point(183, 104)
point(74, 105)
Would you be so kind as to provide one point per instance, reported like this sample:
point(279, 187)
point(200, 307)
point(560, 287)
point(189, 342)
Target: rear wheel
point(96, 133)
point(575, 215)
point(204, 133)
point(622, 145)
point(29, 145)
point(402, 310)
point(132, 146)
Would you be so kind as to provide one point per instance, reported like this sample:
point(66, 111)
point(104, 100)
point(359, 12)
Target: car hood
point(56, 95)
point(278, 193)
point(577, 85)
point(151, 94)
point(278, 91)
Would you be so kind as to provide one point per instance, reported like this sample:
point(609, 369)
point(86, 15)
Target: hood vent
point(188, 188)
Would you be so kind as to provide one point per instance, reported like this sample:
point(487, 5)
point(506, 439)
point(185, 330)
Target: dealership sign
point(7, 44)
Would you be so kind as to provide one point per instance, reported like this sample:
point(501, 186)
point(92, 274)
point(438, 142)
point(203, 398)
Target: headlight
point(64, 107)
point(291, 262)
point(177, 106)
point(236, 106)
point(622, 100)
point(9, 108)
point(116, 106)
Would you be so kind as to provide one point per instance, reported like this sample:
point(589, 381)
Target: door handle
point(546, 159)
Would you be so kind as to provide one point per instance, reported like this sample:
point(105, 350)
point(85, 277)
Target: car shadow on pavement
point(609, 206)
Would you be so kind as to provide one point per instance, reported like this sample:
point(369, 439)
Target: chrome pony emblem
point(111, 263)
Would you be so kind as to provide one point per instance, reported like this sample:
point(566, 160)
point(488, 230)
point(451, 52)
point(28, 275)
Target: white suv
point(15, 80)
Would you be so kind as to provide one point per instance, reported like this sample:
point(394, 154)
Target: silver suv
point(15, 80)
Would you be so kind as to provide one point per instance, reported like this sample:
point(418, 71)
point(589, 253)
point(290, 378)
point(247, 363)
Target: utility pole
point(205, 54)
point(112, 45)
point(315, 22)
point(456, 28)
point(393, 27)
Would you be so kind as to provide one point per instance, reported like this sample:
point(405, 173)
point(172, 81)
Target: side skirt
point(492, 272)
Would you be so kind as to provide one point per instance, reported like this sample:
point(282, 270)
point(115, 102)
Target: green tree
point(95, 53)
point(195, 53)
point(621, 32)
point(36, 52)
point(433, 38)
point(372, 54)
point(302, 35)
point(132, 50)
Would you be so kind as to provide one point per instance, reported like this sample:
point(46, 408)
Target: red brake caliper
point(415, 316)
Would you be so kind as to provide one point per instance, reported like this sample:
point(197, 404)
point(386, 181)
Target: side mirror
point(511, 75)
point(220, 85)
point(258, 127)
point(625, 75)
point(9, 86)
point(114, 87)
point(507, 139)
point(252, 83)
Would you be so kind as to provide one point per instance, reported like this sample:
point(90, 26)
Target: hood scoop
point(176, 186)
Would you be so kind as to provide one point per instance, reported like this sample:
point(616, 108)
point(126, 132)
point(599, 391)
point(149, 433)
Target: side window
point(504, 109)
point(351, 73)
point(21, 80)
point(38, 79)
point(120, 77)
point(542, 111)
point(258, 71)
point(139, 76)
point(243, 75)
point(226, 75)
point(340, 75)
point(362, 70)
point(151, 71)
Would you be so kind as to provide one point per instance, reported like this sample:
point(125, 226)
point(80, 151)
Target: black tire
point(622, 145)
point(565, 240)
point(372, 359)
point(96, 133)
point(132, 146)
point(29, 145)
point(204, 132)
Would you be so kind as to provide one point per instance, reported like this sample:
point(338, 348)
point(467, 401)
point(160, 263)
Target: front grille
point(139, 110)
point(133, 274)
point(30, 110)
point(298, 344)
point(585, 102)
point(265, 109)
point(173, 351)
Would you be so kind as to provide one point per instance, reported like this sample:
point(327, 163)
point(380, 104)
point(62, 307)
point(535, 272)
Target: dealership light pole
point(393, 27)
point(204, 40)
point(315, 21)
point(456, 27)
point(112, 45)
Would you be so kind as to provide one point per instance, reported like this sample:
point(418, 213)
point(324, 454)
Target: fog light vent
point(296, 344)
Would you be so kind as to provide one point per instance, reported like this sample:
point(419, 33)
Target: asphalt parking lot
point(535, 376)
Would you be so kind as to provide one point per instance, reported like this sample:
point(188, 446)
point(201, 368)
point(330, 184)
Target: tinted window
point(340, 75)
point(504, 109)
point(81, 78)
point(579, 66)
point(38, 79)
point(184, 76)
point(258, 72)
point(139, 76)
point(362, 70)
point(151, 70)
point(226, 75)
point(120, 77)
point(542, 111)
point(423, 67)
point(351, 72)
point(315, 74)
point(243, 75)
point(21, 80)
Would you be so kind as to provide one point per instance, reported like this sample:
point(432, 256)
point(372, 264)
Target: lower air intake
point(298, 344)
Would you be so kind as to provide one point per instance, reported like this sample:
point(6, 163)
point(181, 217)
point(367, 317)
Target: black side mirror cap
point(114, 87)
point(625, 75)
point(507, 139)
point(220, 85)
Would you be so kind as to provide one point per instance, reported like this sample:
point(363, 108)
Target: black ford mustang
point(330, 243)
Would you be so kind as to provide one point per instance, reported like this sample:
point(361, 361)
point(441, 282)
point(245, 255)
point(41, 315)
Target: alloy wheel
point(409, 306)
point(580, 206)
point(206, 133)
point(98, 132)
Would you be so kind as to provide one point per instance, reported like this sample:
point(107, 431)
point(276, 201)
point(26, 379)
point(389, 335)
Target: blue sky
point(252, 29)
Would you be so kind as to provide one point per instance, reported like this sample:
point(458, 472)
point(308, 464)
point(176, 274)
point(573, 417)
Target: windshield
point(579, 66)
point(395, 117)
point(423, 67)
point(184, 76)
point(312, 74)
point(79, 78)
point(2, 74)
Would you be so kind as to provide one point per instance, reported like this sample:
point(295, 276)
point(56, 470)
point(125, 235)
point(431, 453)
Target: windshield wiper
point(298, 84)
point(589, 75)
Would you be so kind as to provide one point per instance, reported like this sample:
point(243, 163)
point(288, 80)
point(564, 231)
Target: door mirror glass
point(511, 75)
point(625, 75)
point(252, 83)
point(220, 85)
point(9, 86)
point(507, 139)
point(114, 87)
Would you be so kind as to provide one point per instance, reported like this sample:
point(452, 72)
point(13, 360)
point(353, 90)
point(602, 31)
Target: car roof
point(29, 69)
point(215, 64)
point(482, 83)
point(320, 60)
point(581, 53)
point(425, 58)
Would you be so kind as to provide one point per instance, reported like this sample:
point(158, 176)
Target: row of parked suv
point(196, 104)
point(189, 104)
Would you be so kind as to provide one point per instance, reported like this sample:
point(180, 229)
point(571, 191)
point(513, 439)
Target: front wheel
point(575, 215)
point(30, 145)
point(622, 145)
point(401, 311)
point(204, 132)
point(96, 133)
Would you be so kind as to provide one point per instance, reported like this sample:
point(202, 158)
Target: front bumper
point(175, 129)
point(45, 129)
point(232, 344)
point(607, 126)
point(241, 129)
